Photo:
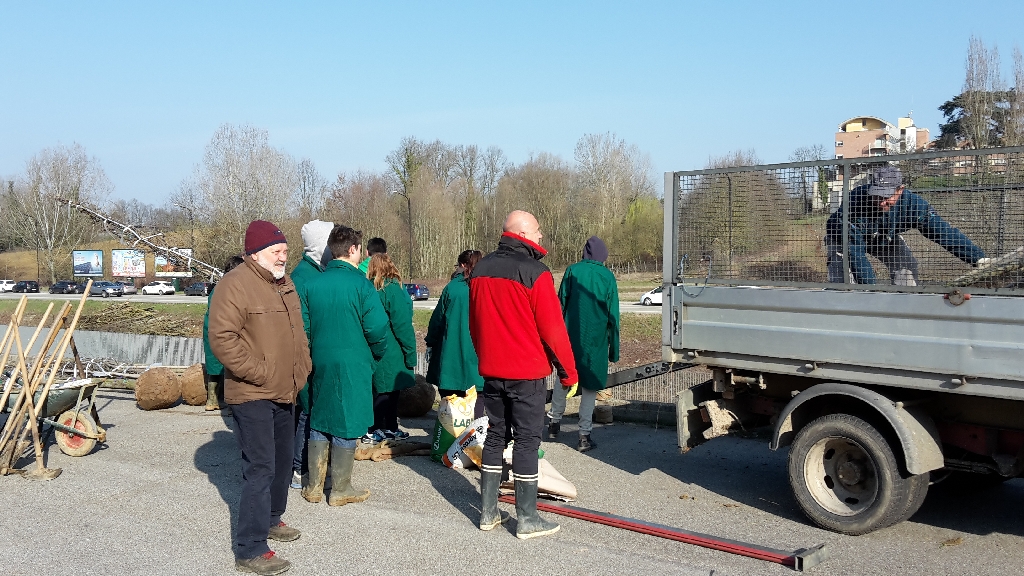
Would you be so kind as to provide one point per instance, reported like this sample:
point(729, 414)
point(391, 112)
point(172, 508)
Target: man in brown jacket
point(256, 331)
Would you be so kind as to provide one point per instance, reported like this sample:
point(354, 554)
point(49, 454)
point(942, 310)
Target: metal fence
point(958, 221)
point(661, 389)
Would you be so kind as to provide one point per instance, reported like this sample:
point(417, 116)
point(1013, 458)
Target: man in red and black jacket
point(515, 319)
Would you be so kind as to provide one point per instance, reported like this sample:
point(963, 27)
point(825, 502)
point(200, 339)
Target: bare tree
point(982, 87)
point(406, 164)
point(242, 178)
point(312, 192)
point(1015, 115)
point(806, 185)
point(36, 208)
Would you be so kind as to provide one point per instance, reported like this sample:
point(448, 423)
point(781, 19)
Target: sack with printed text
point(454, 414)
point(468, 449)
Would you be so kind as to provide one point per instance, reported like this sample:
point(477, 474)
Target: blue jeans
point(299, 463)
point(317, 436)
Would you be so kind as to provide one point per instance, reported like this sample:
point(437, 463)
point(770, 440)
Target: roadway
point(161, 496)
point(180, 298)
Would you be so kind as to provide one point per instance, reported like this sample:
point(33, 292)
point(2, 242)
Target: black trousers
point(385, 411)
point(266, 435)
point(514, 408)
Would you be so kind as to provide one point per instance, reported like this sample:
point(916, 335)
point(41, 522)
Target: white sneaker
point(296, 481)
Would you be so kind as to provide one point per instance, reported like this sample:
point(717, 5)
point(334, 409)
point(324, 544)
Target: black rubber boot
point(529, 523)
point(318, 453)
point(342, 492)
point(490, 516)
point(586, 444)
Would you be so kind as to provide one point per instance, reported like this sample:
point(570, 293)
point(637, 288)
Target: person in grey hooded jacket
point(315, 256)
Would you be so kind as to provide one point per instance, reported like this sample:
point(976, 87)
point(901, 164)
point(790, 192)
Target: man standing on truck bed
point(879, 213)
point(515, 321)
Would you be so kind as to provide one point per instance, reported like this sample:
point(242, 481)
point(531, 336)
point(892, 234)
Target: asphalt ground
point(161, 498)
point(180, 298)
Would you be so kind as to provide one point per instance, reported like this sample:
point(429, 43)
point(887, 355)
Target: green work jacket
point(347, 329)
point(305, 270)
point(590, 307)
point(213, 366)
point(395, 370)
point(453, 362)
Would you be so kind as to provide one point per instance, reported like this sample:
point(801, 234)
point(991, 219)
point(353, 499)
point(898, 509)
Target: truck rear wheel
point(846, 478)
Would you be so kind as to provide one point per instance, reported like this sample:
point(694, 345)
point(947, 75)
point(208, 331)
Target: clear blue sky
point(143, 86)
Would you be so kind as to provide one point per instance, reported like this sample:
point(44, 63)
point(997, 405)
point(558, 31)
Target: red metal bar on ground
point(799, 560)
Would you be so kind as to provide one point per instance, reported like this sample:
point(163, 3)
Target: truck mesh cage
point(959, 222)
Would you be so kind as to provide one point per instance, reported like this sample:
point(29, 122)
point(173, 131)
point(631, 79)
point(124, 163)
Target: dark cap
point(261, 235)
point(886, 181)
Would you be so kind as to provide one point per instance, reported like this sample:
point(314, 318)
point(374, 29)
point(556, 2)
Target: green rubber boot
point(342, 492)
point(490, 516)
point(317, 454)
point(529, 523)
point(211, 395)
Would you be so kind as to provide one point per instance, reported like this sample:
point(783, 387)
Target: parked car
point(651, 297)
point(106, 289)
point(417, 291)
point(64, 287)
point(6, 285)
point(158, 287)
point(199, 289)
point(80, 288)
point(128, 287)
point(26, 286)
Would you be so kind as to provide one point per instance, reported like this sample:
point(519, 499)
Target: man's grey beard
point(269, 267)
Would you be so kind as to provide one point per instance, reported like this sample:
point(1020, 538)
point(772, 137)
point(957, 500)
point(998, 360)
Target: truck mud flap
point(690, 422)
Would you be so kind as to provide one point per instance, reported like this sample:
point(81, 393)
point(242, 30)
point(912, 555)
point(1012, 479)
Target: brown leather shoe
point(266, 565)
point(283, 533)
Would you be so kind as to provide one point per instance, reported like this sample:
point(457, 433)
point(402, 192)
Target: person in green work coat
point(347, 329)
point(590, 307)
point(394, 372)
point(213, 368)
point(374, 246)
point(315, 256)
point(453, 366)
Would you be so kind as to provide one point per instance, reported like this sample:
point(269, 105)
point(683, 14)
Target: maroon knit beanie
point(262, 234)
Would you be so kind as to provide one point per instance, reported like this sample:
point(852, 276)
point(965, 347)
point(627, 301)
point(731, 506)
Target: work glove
point(572, 389)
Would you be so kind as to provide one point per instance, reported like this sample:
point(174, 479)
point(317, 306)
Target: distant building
point(871, 136)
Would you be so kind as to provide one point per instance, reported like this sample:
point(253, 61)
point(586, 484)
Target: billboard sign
point(167, 268)
point(87, 262)
point(127, 263)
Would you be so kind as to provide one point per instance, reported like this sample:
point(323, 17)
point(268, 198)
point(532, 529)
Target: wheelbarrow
point(70, 409)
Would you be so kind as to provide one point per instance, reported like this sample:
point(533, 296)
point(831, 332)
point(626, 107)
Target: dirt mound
point(157, 388)
point(193, 385)
point(418, 400)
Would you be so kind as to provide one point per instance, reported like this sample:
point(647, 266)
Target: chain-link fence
point(916, 222)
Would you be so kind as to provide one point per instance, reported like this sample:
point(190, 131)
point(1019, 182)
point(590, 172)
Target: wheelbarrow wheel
point(73, 444)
